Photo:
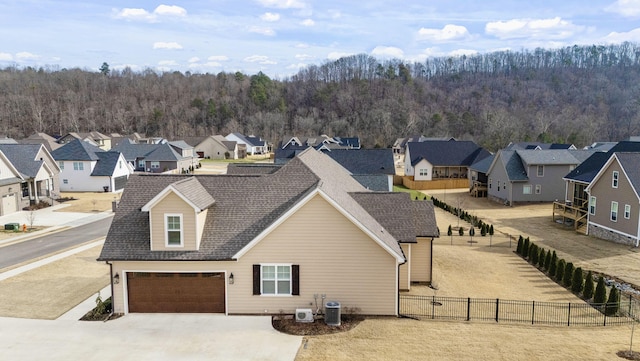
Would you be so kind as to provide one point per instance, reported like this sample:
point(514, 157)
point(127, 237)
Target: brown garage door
point(176, 292)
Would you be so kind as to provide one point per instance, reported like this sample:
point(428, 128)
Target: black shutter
point(256, 279)
point(295, 280)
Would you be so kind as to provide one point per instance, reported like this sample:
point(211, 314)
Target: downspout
point(111, 283)
point(431, 263)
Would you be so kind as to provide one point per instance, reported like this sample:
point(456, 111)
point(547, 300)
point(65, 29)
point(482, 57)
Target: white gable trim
point(11, 167)
point(165, 192)
point(399, 258)
point(602, 171)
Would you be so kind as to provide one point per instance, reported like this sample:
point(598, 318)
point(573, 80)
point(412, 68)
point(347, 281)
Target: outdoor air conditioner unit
point(304, 315)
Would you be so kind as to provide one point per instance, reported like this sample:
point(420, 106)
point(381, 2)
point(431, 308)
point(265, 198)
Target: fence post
point(468, 308)
point(569, 315)
point(433, 307)
point(604, 312)
point(630, 315)
point(497, 308)
point(533, 311)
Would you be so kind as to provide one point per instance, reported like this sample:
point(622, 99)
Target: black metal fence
point(517, 312)
point(497, 240)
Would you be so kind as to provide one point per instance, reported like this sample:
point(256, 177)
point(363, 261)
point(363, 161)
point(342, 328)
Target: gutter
point(111, 283)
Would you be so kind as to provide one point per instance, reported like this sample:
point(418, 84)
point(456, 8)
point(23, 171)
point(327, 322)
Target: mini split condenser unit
point(304, 315)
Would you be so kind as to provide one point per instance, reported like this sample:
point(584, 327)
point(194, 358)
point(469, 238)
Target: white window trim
point(615, 177)
point(613, 203)
point(61, 165)
point(627, 211)
point(538, 170)
point(424, 172)
point(276, 294)
point(538, 189)
point(592, 205)
point(78, 165)
point(166, 230)
point(526, 189)
point(154, 165)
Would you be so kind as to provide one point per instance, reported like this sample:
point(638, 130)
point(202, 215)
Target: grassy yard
point(414, 194)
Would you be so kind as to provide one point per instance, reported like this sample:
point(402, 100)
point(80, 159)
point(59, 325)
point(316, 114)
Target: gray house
point(531, 175)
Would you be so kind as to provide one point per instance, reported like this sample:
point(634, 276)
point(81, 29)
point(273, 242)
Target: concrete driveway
point(147, 337)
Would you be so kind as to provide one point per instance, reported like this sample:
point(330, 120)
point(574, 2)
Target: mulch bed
point(287, 324)
point(629, 355)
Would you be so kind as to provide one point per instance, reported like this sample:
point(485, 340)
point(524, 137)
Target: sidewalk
point(50, 217)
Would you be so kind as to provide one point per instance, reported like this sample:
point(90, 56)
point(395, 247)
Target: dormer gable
point(177, 216)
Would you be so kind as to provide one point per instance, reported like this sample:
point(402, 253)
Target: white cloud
point(135, 14)
point(335, 14)
point(448, 33)
point(297, 66)
point(283, 4)
point(303, 56)
point(170, 10)
point(218, 58)
point(627, 8)
point(24, 56)
point(167, 45)
point(261, 30)
point(6, 57)
point(133, 67)
point(270, 17)
point(195, 59)
point(387, 52)
point(167, 63)
point(212, 64)
point(302, 45)
point(335, 55)
point(308, 22)
point(554, 28)
point(631, 36)
point(260, 59)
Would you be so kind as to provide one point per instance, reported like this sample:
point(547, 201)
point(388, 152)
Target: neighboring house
point(94, 138)
point(538, 146)
point(575, 203)
point(216, 147)
point(42, 138)
point(288, 148)
point(373, 168)
point(266, 244)
point(39, 172)
point(10, 187)
point(87, 168)
point(437, 159)
point(614, 200)
point(531, 175)
point(254, 145)
point(154, 158)
point(478, 179)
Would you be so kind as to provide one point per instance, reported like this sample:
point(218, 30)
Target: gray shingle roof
point(251, 168)
point(553, 156)
point(244, 207)
point(483, 165)
point(365, 161)
point(23, 158)
point(76, 150)
point(193, 190)
point(513, 165)
point(630, 162)
point(106, 164)
point(446, 153)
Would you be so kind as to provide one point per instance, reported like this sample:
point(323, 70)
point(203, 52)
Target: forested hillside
point(577, 94)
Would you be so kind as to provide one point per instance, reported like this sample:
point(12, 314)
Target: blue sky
point(279, 37)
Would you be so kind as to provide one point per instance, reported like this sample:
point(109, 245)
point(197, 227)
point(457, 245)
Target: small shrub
point(577, 282)
point(533, 253)
point(568, 275)
point(519, 246)
point(491, 230)
point(541, 258)
point(613, 302)
point(483, 230)
point(587, 292)
point(461, 231)
point(600, 295)
point(547, 260)
point(525, 248)
point(562, 265)
point(472, 232)
point(449, 231)
point(553, 268)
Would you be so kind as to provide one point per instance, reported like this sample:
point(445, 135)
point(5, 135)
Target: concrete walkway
point(134, 336)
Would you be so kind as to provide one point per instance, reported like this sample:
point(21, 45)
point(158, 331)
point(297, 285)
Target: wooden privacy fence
point(517, 312)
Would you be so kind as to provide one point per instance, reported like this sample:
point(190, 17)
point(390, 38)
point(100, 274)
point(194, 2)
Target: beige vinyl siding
point(336, 259)
point(421, 260)
point(404, 283)
point(172, 204)
point(624, 194)
point(200, 219)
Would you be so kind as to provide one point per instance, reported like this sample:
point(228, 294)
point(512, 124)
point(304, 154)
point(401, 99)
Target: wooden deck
point(567, 213)
point(478, 189)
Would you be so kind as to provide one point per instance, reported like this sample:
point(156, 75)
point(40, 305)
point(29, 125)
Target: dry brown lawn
point(479, 271)
point(49, 291)
point(87, 202)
